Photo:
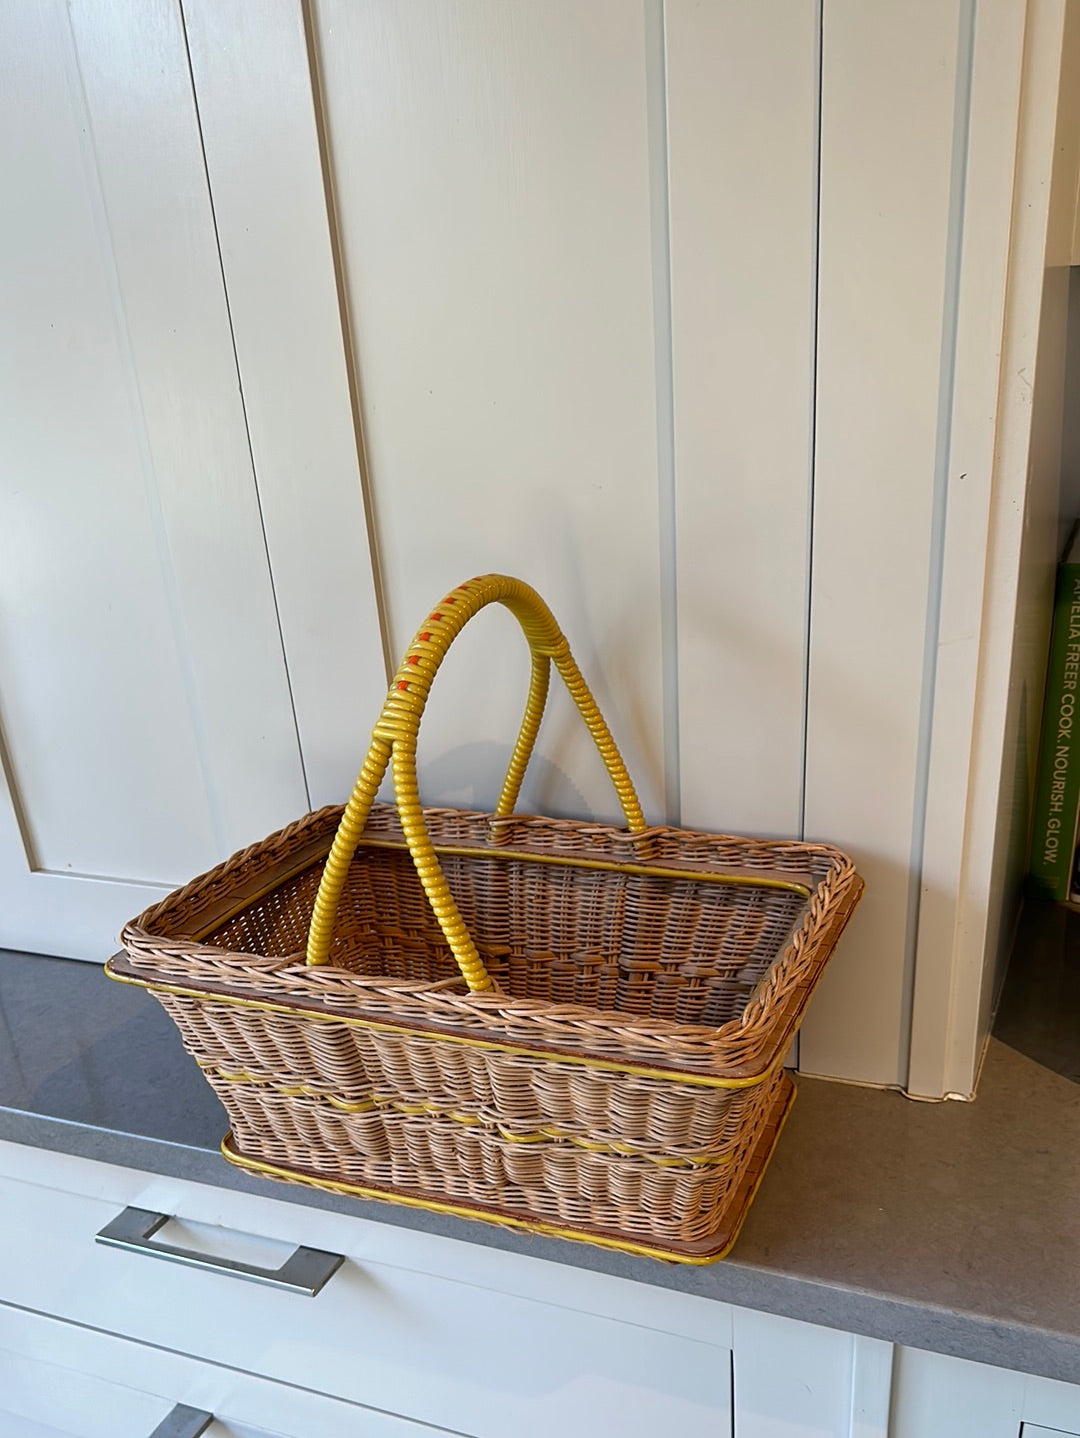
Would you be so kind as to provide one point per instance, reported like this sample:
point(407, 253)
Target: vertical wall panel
point(491, 164)
point(872, 1362)
point(67, 639)
point(792, 1380)
point(742, 83)
point(945, 1035)
point(149, 163)
point(148, 729)
point(889, 97)
point(935, 1394)
point(254, 91)
point(1026, 522)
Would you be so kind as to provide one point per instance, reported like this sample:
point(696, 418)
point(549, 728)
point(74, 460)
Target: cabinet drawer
point(58, 1381)
point(409, 1324)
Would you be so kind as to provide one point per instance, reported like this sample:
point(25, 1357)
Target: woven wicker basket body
point(609, 1066)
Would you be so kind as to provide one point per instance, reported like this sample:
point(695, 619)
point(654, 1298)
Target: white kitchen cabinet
point(578, 298)
point(887, 294)
point(937, 1394)
point(415, 1329)
point(932, 1393)
point(795, 1380)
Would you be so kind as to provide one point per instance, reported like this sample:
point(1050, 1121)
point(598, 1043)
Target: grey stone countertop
point(952, 1226)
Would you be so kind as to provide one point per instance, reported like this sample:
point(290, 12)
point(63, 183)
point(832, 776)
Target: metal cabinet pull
point(183, 1422)
point(305, 1271)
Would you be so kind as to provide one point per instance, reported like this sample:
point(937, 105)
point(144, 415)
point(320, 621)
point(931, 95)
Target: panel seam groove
point(243, 404)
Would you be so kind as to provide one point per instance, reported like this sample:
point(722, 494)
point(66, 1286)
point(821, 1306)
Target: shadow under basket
point(564, 1027)
point(624, 1084)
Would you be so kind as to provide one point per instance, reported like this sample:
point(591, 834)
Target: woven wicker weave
point(609, 1067)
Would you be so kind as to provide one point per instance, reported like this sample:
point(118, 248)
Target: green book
point(1057, 791)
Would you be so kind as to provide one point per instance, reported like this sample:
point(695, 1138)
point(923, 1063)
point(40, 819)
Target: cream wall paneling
point(534, 322)
point(796, 1380)
point(934, 1394)
point(447, 1333)
point(492, 177)
point(743, 220)
point(84, 1384)
point(551, 251)
point(918, 143)
point(267, 1227)
point(540, 393)
point(539, 220)
point(264, 161)
point(147, 721)
point(581, 269)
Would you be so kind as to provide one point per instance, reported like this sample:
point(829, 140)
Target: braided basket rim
point(160, 954)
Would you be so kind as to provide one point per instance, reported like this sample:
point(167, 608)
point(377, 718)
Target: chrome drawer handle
point(182, 1421)
point(305, 1271)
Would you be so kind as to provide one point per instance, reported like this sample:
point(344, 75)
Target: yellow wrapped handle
point(393, 741)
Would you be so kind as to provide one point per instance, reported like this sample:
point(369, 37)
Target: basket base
point(700, 1251)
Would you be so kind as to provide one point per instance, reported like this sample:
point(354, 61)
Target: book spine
point(1057, 792)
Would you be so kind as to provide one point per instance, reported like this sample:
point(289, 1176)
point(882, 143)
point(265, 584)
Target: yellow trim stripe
point(525, 1225)
point(376, 1101)
point(606, 1065)
point(649, 871)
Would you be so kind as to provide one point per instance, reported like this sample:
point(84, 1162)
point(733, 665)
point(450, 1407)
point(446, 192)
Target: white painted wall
point(579, 306)
point(565, 1349)
point(492, 172)
point(689, 315)
point(1022, 551)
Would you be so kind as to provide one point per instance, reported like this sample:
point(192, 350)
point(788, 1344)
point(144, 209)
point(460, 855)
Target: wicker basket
point(565, 1027)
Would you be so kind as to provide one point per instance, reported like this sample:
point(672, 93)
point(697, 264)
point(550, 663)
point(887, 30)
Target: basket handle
point(393, 742)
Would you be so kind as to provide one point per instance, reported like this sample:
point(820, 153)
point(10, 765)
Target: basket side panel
point(248, 1053)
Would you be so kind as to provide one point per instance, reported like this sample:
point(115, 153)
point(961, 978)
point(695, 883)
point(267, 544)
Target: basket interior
point(678, 949)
